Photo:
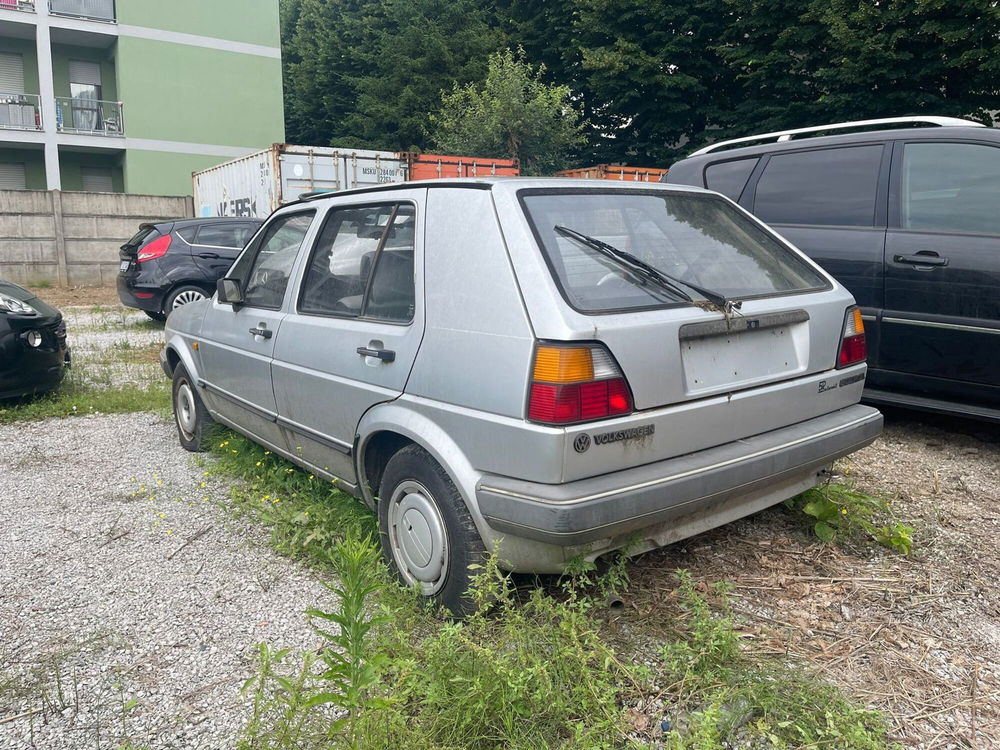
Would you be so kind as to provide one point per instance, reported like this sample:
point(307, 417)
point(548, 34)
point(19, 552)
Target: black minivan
point(170, 263)
point(908, 219)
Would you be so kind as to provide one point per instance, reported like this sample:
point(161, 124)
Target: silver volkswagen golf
point(547, 368)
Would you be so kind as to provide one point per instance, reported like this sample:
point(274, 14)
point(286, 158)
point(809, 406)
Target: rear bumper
point(622, 502)
point(127, 288)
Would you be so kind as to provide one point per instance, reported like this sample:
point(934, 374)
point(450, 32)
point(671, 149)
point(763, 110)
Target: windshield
point(697, 239)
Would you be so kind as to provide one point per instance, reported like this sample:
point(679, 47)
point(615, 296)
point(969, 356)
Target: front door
point(942, 282)
point(237, 344)
point(354, 334)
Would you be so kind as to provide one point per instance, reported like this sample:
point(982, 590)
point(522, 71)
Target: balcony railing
point(20, 112)
point(26, 5)
point(95, 10)
point(89, 116)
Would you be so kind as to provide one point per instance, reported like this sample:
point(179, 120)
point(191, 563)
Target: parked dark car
point(908, 219)
point(33, 351)
point(170, 263)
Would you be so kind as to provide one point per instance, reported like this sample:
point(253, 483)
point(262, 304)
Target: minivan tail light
point(155, 249)
point(576, 384)
point(852, 344)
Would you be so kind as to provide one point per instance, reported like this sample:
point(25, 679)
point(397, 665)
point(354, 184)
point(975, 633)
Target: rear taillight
point(576, 384)
point(852, 343)
point(155, 249)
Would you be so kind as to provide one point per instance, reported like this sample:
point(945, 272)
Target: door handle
point(386, 355)
point(262, 331)
point(921, 259)
point(209, 256)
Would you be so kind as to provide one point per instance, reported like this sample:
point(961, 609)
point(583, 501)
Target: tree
point(512, 114)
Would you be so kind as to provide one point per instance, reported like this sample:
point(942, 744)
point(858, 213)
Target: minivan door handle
point(386, 355)
point(923, 258)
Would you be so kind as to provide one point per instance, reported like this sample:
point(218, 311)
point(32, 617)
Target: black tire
point(190, 415)
point(417, 492)
point(181, 296)
point(157, 316)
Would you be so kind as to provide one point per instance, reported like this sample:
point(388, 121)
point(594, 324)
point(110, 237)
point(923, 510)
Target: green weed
point(840, 512)
point(74, 399)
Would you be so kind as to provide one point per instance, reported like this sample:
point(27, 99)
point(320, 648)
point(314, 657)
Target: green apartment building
point(134, 95)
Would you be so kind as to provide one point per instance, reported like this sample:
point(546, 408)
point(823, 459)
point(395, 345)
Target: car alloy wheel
point(418, 537)
point(185, 297)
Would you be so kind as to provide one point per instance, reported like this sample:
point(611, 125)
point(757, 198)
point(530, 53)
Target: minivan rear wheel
point(190, 415)
point(428, 536)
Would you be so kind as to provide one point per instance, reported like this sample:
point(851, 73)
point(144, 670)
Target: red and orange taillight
point(155, 249)
point(852, 344)
point(576, 383)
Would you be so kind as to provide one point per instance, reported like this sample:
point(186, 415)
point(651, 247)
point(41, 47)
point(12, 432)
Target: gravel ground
point(113, 347)
point(112, 630)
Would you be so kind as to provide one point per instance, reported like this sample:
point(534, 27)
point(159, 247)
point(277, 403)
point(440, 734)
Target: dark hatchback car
point(33, 351)
point(908, 219)
point(170, 263)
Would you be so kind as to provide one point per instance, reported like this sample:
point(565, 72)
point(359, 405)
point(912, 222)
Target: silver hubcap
point(188, 295)
point(417, 537)
point(185, 410)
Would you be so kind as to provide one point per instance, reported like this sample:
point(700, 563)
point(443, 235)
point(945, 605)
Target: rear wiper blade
point(650, 272)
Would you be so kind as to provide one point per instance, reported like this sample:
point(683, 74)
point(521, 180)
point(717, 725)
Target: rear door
point(353, 337)
point(237, 344)
point(216, 245)
point(942, 286)
point(831, 204)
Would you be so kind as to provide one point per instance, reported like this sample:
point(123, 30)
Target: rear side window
point(952, 187)
point(224, 235)
point(730, 177)
point(362, 265)
point(834, 186)
point(697, 238)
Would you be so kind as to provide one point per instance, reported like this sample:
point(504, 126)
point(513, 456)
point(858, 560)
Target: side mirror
point(229, 291)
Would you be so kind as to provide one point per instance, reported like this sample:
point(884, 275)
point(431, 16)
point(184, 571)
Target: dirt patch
point(62, 296)
point(916, 637)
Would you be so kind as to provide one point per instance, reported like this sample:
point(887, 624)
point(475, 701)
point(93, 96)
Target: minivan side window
point(950, 187)
point(730, 177)
point(835, 186)
point(362, 265)
point(264, 270)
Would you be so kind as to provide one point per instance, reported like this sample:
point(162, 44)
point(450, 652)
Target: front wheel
point(427, 534)
point(190, 414)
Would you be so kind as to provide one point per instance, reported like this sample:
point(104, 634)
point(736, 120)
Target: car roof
point(489, 183)
point(844, 139)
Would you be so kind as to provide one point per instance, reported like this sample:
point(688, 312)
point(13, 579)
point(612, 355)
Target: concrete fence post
point(62, 262)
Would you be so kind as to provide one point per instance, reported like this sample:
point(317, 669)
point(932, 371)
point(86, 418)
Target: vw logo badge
point(582, 442)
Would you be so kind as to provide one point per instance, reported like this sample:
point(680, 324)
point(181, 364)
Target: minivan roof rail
point(787, 135)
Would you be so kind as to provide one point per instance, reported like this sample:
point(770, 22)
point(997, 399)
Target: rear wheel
point(190, 414)
point(427, 534)
point(183, 295)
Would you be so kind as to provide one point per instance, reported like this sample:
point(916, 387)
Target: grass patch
point(838, 512)
point(525, 671)
point(71, 400)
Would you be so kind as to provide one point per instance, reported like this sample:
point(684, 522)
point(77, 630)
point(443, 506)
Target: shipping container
point(615, 172)
point(256, 184)
point(433, 166)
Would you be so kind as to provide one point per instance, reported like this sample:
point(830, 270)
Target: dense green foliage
point(513, 114)
point(651, 79)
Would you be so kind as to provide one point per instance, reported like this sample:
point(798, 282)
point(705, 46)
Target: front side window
point(362, 265)
point(834, 186)
point(951, 187)
point(264, 272)
point(694, 238)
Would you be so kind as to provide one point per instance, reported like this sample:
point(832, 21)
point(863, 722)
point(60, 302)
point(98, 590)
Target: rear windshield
point(145, 233)
point(696, 238)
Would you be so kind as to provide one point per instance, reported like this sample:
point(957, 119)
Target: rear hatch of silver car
point(720, 330)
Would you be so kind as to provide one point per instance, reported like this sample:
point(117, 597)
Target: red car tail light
point(155, 249)
point(852, 344)
point(576, 384)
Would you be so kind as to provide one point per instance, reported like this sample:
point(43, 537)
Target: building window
point(97, 180)
point(13, 177)
point(85, 90)
point(11, 73)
